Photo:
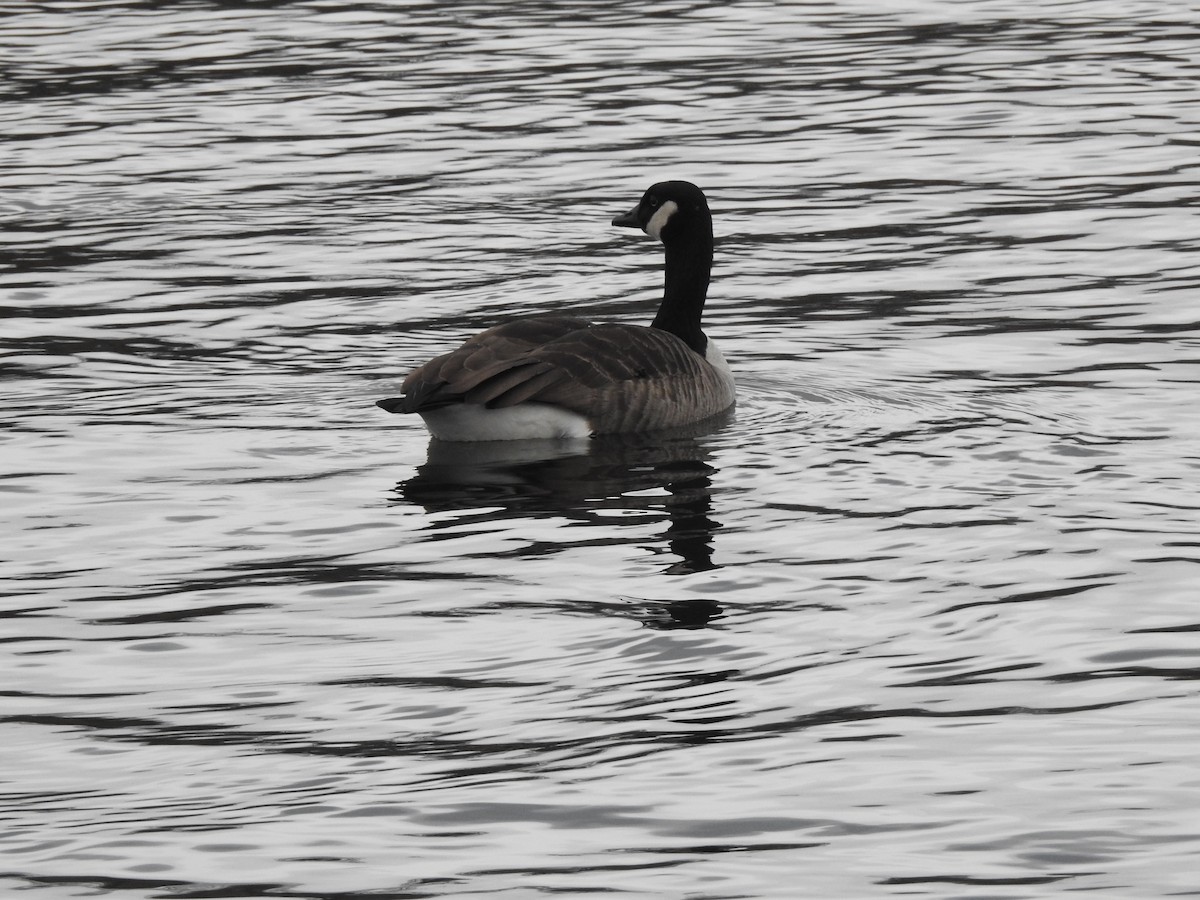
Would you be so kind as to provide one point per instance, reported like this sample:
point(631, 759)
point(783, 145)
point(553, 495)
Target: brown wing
point(449, 377)
point(632, 378)
point(619, 377)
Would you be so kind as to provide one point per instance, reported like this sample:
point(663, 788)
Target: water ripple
point(925, 596)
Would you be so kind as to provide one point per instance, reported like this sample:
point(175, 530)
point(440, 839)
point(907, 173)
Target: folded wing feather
point(620, 377)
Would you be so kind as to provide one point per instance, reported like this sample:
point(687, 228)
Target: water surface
point(918, 620)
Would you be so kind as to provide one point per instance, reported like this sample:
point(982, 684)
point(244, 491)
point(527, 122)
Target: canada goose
point(565, 377)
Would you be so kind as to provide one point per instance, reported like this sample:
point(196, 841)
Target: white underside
point(524, 422)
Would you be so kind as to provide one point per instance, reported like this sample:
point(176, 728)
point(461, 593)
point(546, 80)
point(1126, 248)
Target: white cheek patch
point(659, 220)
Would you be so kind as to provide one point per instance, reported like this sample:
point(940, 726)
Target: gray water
point(919, 620)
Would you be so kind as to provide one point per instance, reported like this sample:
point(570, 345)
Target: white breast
point(716, 359)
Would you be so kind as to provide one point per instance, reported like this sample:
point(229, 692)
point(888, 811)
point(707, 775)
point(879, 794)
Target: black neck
point(689, 263)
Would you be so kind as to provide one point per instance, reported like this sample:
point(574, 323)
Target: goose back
point(619, 378)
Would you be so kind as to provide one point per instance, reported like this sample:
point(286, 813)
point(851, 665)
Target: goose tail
point(392, 404)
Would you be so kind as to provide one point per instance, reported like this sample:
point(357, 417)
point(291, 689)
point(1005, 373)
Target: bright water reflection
point(918, 621)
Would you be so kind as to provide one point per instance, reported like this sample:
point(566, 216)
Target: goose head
point(676, 213)
point(670, 211)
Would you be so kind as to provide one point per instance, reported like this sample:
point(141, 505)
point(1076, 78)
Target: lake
point(918, 619)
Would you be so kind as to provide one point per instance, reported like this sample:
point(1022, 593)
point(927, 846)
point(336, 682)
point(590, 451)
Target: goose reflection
point(605, 481)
